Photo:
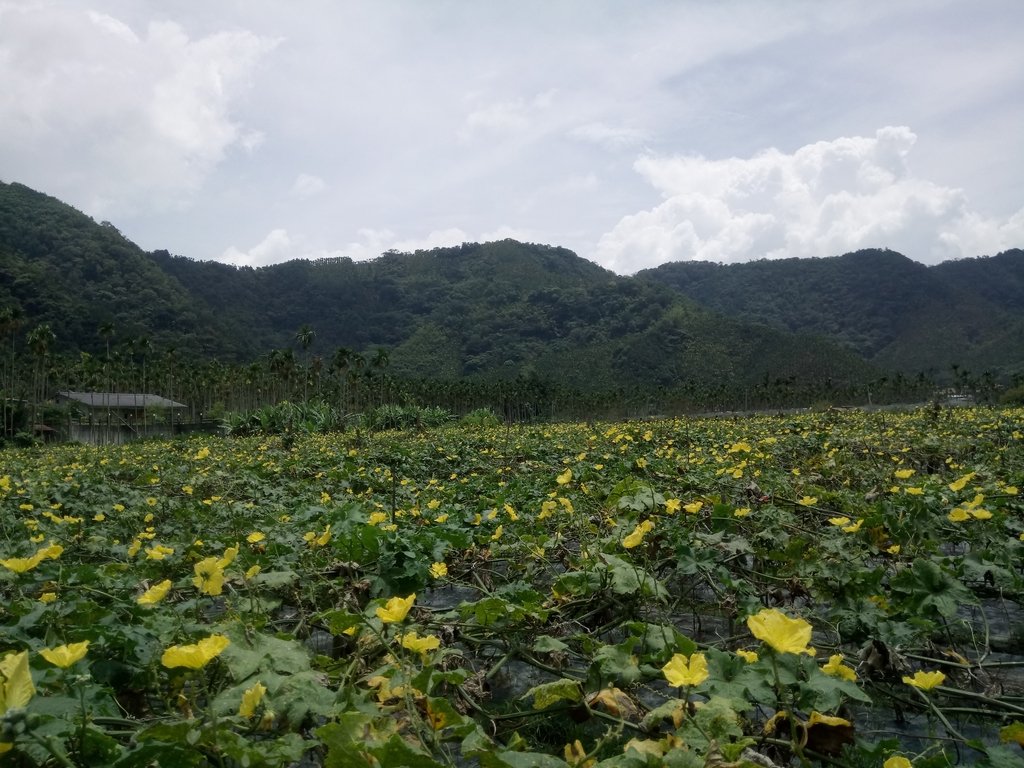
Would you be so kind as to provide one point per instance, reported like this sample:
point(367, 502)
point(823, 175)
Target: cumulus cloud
point(275, 247)
point(823, 199)
point(135, 113)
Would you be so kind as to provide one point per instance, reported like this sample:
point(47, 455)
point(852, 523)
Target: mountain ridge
point(507, 309)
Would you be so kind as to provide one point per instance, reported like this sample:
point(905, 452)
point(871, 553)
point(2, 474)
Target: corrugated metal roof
point(120, 400)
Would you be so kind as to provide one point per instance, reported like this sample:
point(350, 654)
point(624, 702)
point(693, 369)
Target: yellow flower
point(782, 633)
point(438, 570)
point(693, 508)
point(151, 501)
point(958, 515)
point(897, 761)
point(497, 533)
point(741, 512)
point(903, 474)
point(421, 645)
point(748, 656)
point(836, 668)
point(195, 656)
point(16, 686)
point(202, 453)
point(323, 538)
point(913, 491)
point(925, 680)
point(637, 536)
point(64, 656)
point(682, 671)
point(854, 527)
point(209, 578)
point(960, 484)
point(48, 597)
point(894, 549)
point(395, 609)
point(251, 700)
point(807, 501)
point(155, 594)
point(564, 478)
point(159, 552)
point(228, 557)
point(253, 571)
point(188, 490)
point(255, 537)
point(672, 505)
point(23, 564)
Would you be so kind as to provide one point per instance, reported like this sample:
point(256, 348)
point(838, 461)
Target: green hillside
point(60, 267)
point(507, 309)
point(893, 311)
point(761, 332)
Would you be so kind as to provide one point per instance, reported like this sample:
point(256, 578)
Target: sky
point(633, 133)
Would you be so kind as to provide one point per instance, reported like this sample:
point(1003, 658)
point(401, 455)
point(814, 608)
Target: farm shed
point(102, 418)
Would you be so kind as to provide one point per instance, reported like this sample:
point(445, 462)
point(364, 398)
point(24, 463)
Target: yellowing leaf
point(546, 694)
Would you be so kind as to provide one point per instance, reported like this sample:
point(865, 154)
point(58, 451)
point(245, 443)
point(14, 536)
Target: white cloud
point(134, 114)
point(610, 137)
point(823, 199)
point(275, 247)
point(504, 117)
point(307, 185)
point(279, 246)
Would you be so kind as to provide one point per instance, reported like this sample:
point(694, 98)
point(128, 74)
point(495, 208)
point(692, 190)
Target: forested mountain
point(503, 311)
point(58, 266)
point(891, 310)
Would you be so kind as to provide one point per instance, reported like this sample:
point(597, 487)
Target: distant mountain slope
point(506, 309)
point(895, 312)
point(493, 310)
point(59, 266)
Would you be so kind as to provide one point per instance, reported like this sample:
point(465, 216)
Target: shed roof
point(120, 400)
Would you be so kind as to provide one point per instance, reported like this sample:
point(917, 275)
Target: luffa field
point(837, 588)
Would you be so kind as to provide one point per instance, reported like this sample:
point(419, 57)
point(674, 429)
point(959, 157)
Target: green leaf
point(254, 652)
point(618, 662)
point(548, 644)
point(397, 751)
